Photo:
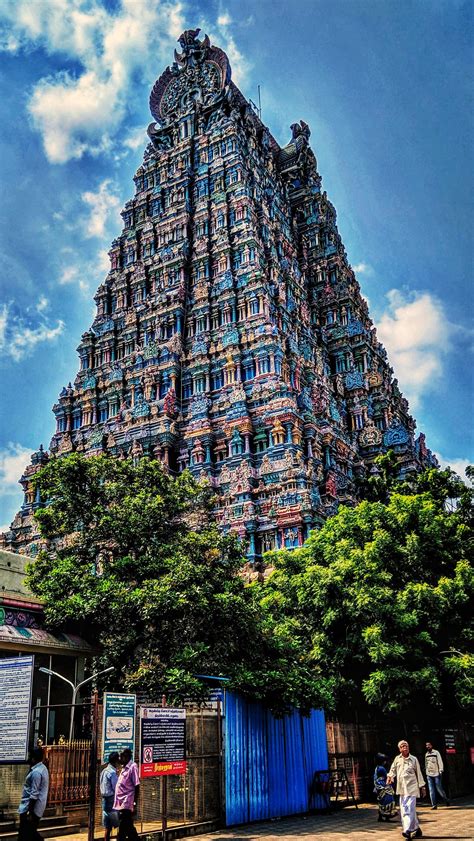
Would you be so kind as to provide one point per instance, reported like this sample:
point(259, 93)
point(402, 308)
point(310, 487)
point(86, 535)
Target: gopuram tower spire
point(231, 337)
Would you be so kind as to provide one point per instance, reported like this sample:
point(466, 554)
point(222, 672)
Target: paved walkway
point(349, 824)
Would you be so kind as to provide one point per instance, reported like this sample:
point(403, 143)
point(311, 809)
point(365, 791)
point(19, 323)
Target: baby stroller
point(383, 791)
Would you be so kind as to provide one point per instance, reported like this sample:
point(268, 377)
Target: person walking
point(33, 798)
point(108, 784)
point(434, 768)
point(410, 785)
point(126, 796)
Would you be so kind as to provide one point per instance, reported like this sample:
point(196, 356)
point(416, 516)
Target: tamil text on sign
point(119, 723)
point(162, 741)
point(16, 678)
point(450, 741)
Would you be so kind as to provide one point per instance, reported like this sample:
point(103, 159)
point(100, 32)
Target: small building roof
point(14, 638)
point(21, 615)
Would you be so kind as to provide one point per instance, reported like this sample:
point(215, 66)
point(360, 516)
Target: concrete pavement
point(350, 824)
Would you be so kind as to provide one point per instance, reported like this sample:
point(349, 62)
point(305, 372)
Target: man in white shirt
point(410, 785)
point(33, 797)
point(434, 768)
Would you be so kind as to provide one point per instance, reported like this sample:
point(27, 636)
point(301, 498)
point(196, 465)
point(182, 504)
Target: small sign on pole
point(16, 681)
point(450, 741)
point(162, 741)
point(118, 731)
point(215, 697)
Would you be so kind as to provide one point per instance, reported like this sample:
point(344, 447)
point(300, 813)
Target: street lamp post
point(75, 689)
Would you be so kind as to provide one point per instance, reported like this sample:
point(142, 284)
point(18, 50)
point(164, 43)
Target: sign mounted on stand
point(16, 681)
point(162, 741)
point(118, 730)
point(450, 741)
point(215, 698)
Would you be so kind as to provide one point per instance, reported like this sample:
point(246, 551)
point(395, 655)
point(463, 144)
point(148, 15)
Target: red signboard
point(162, 741)
point(160, 769)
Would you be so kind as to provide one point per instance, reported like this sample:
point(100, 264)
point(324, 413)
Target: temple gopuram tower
point(231, 338)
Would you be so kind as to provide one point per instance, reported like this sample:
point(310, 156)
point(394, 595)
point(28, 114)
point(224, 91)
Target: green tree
point(377, 594)
point(382, 478)
point(139, 569)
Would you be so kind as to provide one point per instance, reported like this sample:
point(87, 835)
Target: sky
point(386, 88)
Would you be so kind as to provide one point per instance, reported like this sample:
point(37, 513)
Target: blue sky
point(386, 88)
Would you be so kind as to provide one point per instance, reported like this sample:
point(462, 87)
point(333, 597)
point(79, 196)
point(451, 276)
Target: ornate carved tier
point(231, 338)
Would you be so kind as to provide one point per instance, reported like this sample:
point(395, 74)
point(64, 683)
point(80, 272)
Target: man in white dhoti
point(410, 785)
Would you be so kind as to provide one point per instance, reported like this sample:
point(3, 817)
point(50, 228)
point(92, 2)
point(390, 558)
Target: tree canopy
point(138, 567)
point(381, 598)
point(376, 605)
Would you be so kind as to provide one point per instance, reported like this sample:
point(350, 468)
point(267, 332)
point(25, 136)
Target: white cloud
point(136, 138)
point(457, 464)
point(68, 275)
point(80, 113)
point(42, 304)
point(13, 460)
point(103, 204)
point(103, 261)
point(18, 337)
point(71, 115)
point(416, 334)
point(3, 325)
point(83, 273)
point(220, 35)
point(85, 267)
point(240, 65)
point(363, 268)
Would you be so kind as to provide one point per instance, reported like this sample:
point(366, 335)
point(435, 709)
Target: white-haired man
point(410, 785)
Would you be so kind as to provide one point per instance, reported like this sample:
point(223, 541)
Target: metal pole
point(75, 689)
point(164, 795)
point(220, 748)
point(71, 720)
point(66, 680)
point(93, 769)
point(46, 735)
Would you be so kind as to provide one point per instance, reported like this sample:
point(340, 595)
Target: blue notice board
point(118, 731)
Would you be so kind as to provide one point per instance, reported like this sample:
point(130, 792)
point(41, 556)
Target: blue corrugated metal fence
point(270, 762)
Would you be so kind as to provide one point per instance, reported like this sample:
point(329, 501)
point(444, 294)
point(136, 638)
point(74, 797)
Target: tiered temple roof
point(231, 337)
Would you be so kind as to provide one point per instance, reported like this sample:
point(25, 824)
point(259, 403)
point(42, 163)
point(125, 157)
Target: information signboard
point(118, 730)
point(162, 741)
point(450, 741)
point(16, 680)
point(215, 697)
